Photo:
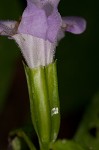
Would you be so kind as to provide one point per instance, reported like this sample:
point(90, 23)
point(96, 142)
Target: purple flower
point(39, 30)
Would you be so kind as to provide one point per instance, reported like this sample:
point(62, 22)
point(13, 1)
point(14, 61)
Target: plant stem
point(22, 134)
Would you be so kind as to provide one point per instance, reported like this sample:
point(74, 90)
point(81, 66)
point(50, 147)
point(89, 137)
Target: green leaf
point(66, 145)
point(88, 132)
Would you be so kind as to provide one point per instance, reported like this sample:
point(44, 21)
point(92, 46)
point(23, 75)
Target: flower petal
point(42, 22)
point(34, 22)
point(53, 2)
point(36, 2)
point(74, 25)
point(36, 51)
point(8, 28)
point(41, 3)
point(54, 25)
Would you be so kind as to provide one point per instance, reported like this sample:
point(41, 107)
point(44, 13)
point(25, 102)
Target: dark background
point(78, 69)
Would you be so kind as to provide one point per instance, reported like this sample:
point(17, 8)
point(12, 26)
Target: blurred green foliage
point(88, 132)
point(66, 145)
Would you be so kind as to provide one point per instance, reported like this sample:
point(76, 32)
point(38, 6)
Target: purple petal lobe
point(36, 2)
point(42, 22)
point(34, 22)
point(54, 25)
point(74, 25)
point(41, 3)
point(8, 28)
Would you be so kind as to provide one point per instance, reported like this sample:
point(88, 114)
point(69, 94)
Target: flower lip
point(42, 19)
point(40, 28)
point(75, 25)
point(44, 22)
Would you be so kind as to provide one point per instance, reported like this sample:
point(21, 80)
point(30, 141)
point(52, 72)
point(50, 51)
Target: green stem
point(22, 134)
point(27, 140)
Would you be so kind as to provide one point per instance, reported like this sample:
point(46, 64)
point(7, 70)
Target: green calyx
point(44, 103)
point(52, 85)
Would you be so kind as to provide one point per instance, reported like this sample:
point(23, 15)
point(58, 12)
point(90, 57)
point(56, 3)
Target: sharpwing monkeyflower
point(39, 30)
point(37, 34)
